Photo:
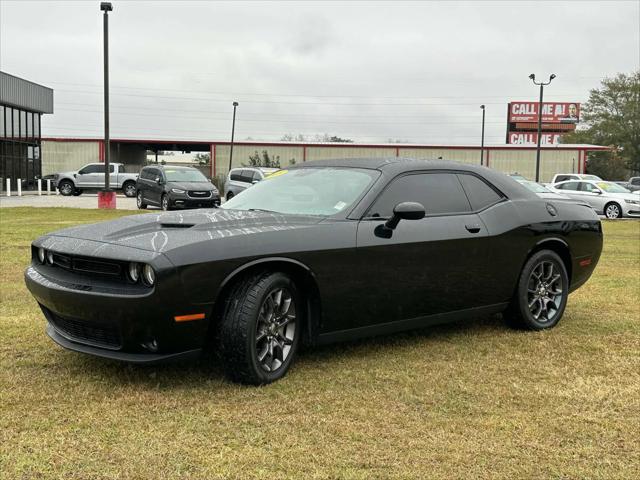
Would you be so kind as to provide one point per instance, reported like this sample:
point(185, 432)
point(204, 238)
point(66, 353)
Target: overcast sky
point(370, 71)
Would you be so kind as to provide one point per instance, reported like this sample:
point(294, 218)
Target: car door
point(156, 185)
point(591, 194)
point(570, 189)
point(87, 177)
point(427, 266)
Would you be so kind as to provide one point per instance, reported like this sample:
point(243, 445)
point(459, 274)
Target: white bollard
point(39, 186)
point(48, 186)
point(8, 187)
point(19, 187)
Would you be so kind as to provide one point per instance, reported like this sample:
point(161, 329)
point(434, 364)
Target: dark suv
point(170, 187)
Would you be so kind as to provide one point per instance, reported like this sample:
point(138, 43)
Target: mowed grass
point(466, 400)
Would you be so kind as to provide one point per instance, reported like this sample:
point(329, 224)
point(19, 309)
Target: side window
point(635, 181)
point(480, 194)
point(112, 168)
point(569, 186)
point(236, 175)
point(93, 168)
point(257, 176)
point(562, 178)
point(588, 187)
point(439, 193)
point(246, 176)
point(144, 174)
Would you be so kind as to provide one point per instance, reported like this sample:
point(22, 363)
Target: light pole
point(482, 140)
point(233, 129)
point(107, 197)
point(542, 85)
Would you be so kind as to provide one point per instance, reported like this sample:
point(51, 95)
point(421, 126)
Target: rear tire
point(612, 210)
point(139, 201)
point(261, 328)
point(66, 188)
point(129, 189)
point(541, 294)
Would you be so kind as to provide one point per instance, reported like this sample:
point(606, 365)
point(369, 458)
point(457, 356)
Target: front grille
point(92, 266)
point(199, 194)
point(97, 334)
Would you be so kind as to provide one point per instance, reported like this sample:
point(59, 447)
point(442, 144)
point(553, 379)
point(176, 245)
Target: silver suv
point(240, 179)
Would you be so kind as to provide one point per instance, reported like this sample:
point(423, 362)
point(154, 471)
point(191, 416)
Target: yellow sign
point(276, 174)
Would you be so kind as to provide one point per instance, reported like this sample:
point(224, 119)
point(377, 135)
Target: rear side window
point(439, 193)
point(246, 176)
point(569, 186)
point(236, 175)
point(480, 194)
point(635, 181)
point(562, 178)
point(588, 187)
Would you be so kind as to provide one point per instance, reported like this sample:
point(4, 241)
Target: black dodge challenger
point(321, 252)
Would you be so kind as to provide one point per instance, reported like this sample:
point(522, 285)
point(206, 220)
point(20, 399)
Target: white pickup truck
point(91, 177)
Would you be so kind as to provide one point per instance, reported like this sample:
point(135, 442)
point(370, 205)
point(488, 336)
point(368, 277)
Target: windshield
point(306, 191)
point(610, 187)
point(184, 175)
point(534, 187)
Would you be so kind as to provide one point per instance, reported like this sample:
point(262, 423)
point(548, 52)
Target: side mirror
point(405, 211)
point(254, 182)
point(598, 192)
point(75, 175)
point(159, 180)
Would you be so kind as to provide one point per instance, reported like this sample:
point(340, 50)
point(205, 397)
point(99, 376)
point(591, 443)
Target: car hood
point(197, 186)
point(166, 231)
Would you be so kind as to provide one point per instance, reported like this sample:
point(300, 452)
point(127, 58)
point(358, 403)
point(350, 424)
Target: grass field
point(466, 400)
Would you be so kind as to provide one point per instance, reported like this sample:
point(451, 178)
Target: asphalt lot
point(86, 200)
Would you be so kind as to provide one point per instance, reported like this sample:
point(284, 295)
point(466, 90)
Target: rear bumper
point(139, 358)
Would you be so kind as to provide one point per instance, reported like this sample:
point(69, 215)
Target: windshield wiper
point(261, 210)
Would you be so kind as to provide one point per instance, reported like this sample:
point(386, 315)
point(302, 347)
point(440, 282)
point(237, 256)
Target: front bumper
point(139, 358)
point(185, 201)
point(124, 324)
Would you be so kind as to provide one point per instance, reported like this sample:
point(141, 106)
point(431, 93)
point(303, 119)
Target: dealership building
point(22, 104)
point(62, 154)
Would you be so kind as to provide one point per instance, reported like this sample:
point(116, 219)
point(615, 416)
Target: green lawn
point(466, 400)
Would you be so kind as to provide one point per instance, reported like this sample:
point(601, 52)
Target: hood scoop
point(177, 225)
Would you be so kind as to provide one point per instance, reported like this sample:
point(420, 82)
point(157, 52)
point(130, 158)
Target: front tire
point(612, 210)
point(139, 201)
point(261, 328)
point(541, 295)
point(164, 203)
point(66, 188)
point(229, 196)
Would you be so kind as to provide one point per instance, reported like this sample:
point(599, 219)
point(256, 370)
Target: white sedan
point(606, 198)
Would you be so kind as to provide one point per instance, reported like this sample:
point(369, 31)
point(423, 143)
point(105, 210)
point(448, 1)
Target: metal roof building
point(22, 104)
point(71, 153)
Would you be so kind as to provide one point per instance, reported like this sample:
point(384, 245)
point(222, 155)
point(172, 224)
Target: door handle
point(473, 228)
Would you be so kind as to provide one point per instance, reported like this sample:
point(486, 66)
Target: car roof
point(173, 167)
point(392, 166)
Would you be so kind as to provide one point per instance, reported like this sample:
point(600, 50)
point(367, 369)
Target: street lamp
point(233, 129)
point(107, 197)
point(482, 141)
point(542, 85)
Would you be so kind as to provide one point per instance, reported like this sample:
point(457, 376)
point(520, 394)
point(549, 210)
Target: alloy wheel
point(165, 203)
point(544, 292)
point(66, 188)
point(139, 199)
point(130, 190)
point(275, 329)
point(613, 211)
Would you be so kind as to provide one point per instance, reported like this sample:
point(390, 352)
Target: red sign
point(552, 112)
point(531, 138)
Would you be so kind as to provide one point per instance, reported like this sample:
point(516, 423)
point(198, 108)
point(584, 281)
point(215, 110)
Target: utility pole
point(233, 129)
point(482, 140)
point(540, 103)
point(106, 198)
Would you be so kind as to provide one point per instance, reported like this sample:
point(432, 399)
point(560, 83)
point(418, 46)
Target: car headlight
point(134, 271)
point(148, 275)
point(42, 254)
point(177, 190)
point(50, 257)
point(634, 202)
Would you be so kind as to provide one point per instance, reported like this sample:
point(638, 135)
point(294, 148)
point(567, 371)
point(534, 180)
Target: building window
point(16, 123)
point(2, 122)
point(29, 125)
point(36, 125)
point(23, 124)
